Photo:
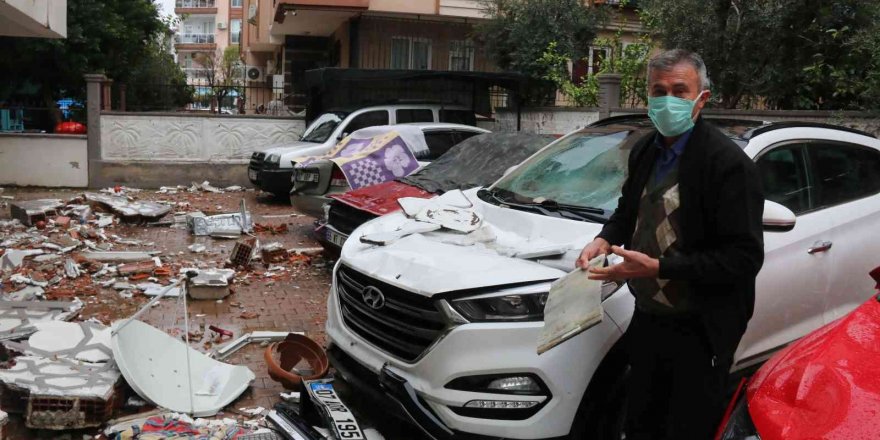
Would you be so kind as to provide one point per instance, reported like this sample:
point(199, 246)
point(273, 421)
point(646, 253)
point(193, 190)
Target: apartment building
point(281, 39)
point(206, 26)
point(33, 18)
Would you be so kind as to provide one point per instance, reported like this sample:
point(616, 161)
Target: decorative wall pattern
point(191, 138)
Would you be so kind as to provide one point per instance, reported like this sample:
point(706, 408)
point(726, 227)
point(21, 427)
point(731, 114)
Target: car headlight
point(517, 304)
point(739, 426)
point(273, 158)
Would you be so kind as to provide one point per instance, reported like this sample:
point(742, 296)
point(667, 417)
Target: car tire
point(602, 412)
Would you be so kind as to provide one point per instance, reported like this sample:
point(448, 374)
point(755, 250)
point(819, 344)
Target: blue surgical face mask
point(671, 115)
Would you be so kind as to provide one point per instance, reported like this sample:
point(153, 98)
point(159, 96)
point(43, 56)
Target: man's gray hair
point(668, 59)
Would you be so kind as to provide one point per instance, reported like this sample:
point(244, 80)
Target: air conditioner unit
point(254, 73)
point(221, 25)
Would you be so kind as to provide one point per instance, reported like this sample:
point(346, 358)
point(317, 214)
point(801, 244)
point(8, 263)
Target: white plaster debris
point(257, 411)
point(408, 228)
point(197, 248)
point(21, 279)
point(13, 258)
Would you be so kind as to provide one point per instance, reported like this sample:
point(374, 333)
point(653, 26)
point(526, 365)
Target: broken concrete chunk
point(81, 341)
point(29, 212)
point(21, 279)
point(273, 253)
point(197, 248)
point(13, 258)
point(210, 284)
point(118, 256)
point(136, 268)
point(155, 289)
point(71, 269)
point(128, 210)
point(221, 225)
point(29, 293)
point(17, 317)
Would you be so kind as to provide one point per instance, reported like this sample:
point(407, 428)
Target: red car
point(824, 386)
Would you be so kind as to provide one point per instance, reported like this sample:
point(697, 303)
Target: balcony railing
point(196, 72)
point(195, 4)
point(194, 38)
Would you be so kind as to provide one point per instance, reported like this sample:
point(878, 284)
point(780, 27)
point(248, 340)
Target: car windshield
point(323, 127)
point(584, 170)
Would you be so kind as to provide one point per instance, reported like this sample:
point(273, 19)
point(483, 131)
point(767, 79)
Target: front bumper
point(471, 350)
point(276, 181)
point(310, 205)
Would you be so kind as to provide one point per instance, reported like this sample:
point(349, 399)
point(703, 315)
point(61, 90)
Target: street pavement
point(293, 297)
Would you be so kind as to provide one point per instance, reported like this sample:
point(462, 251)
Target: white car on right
point(446, 331)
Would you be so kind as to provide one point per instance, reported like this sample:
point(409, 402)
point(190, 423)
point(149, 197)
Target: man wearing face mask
point(688, 226)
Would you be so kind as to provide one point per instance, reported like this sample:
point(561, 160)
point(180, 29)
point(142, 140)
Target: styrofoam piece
point(409, 228)
point(155, 365)
point(542, 251)
point(21, 279)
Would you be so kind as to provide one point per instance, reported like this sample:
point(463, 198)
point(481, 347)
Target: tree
point(792, 54)
point(110, 36)
point(518, 32)
point(223, 74)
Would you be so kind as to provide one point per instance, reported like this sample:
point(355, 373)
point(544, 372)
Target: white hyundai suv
point(445, 328)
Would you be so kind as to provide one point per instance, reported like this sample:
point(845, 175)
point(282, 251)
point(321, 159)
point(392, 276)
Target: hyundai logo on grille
point(373, 297)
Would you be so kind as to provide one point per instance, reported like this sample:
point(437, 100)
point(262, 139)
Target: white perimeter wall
point(43, 160)
point(196, 138)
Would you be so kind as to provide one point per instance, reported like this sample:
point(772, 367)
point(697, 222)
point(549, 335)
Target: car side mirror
point(509, 170)
point(778, 218)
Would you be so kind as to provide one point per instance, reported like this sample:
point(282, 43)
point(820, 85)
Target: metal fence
point(194, 38)
point(34, 116)
point(194, 4)
point(200, 95)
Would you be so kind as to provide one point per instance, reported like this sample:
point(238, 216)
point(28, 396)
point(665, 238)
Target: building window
point(597, 56)
point(461, 55)
point(235, 31)
point(410, 53)
point(236, 3)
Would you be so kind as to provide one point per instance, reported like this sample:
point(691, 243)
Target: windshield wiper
point(550, 207)
point(554, 211)
point(553, 204)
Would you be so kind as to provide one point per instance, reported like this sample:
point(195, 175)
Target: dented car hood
point(431, 263)
point(826, 385)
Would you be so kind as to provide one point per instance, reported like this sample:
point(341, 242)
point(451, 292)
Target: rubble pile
point(74, 272)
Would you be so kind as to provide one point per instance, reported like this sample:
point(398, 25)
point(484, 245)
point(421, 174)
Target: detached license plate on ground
point(307, 177)
point(252, 174)
point(340, 418)
point(336, 238)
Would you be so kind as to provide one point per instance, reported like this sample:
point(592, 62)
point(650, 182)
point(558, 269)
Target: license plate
point(336, 238)
point(252, 174)
point(337, 414)
point(307, 177)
